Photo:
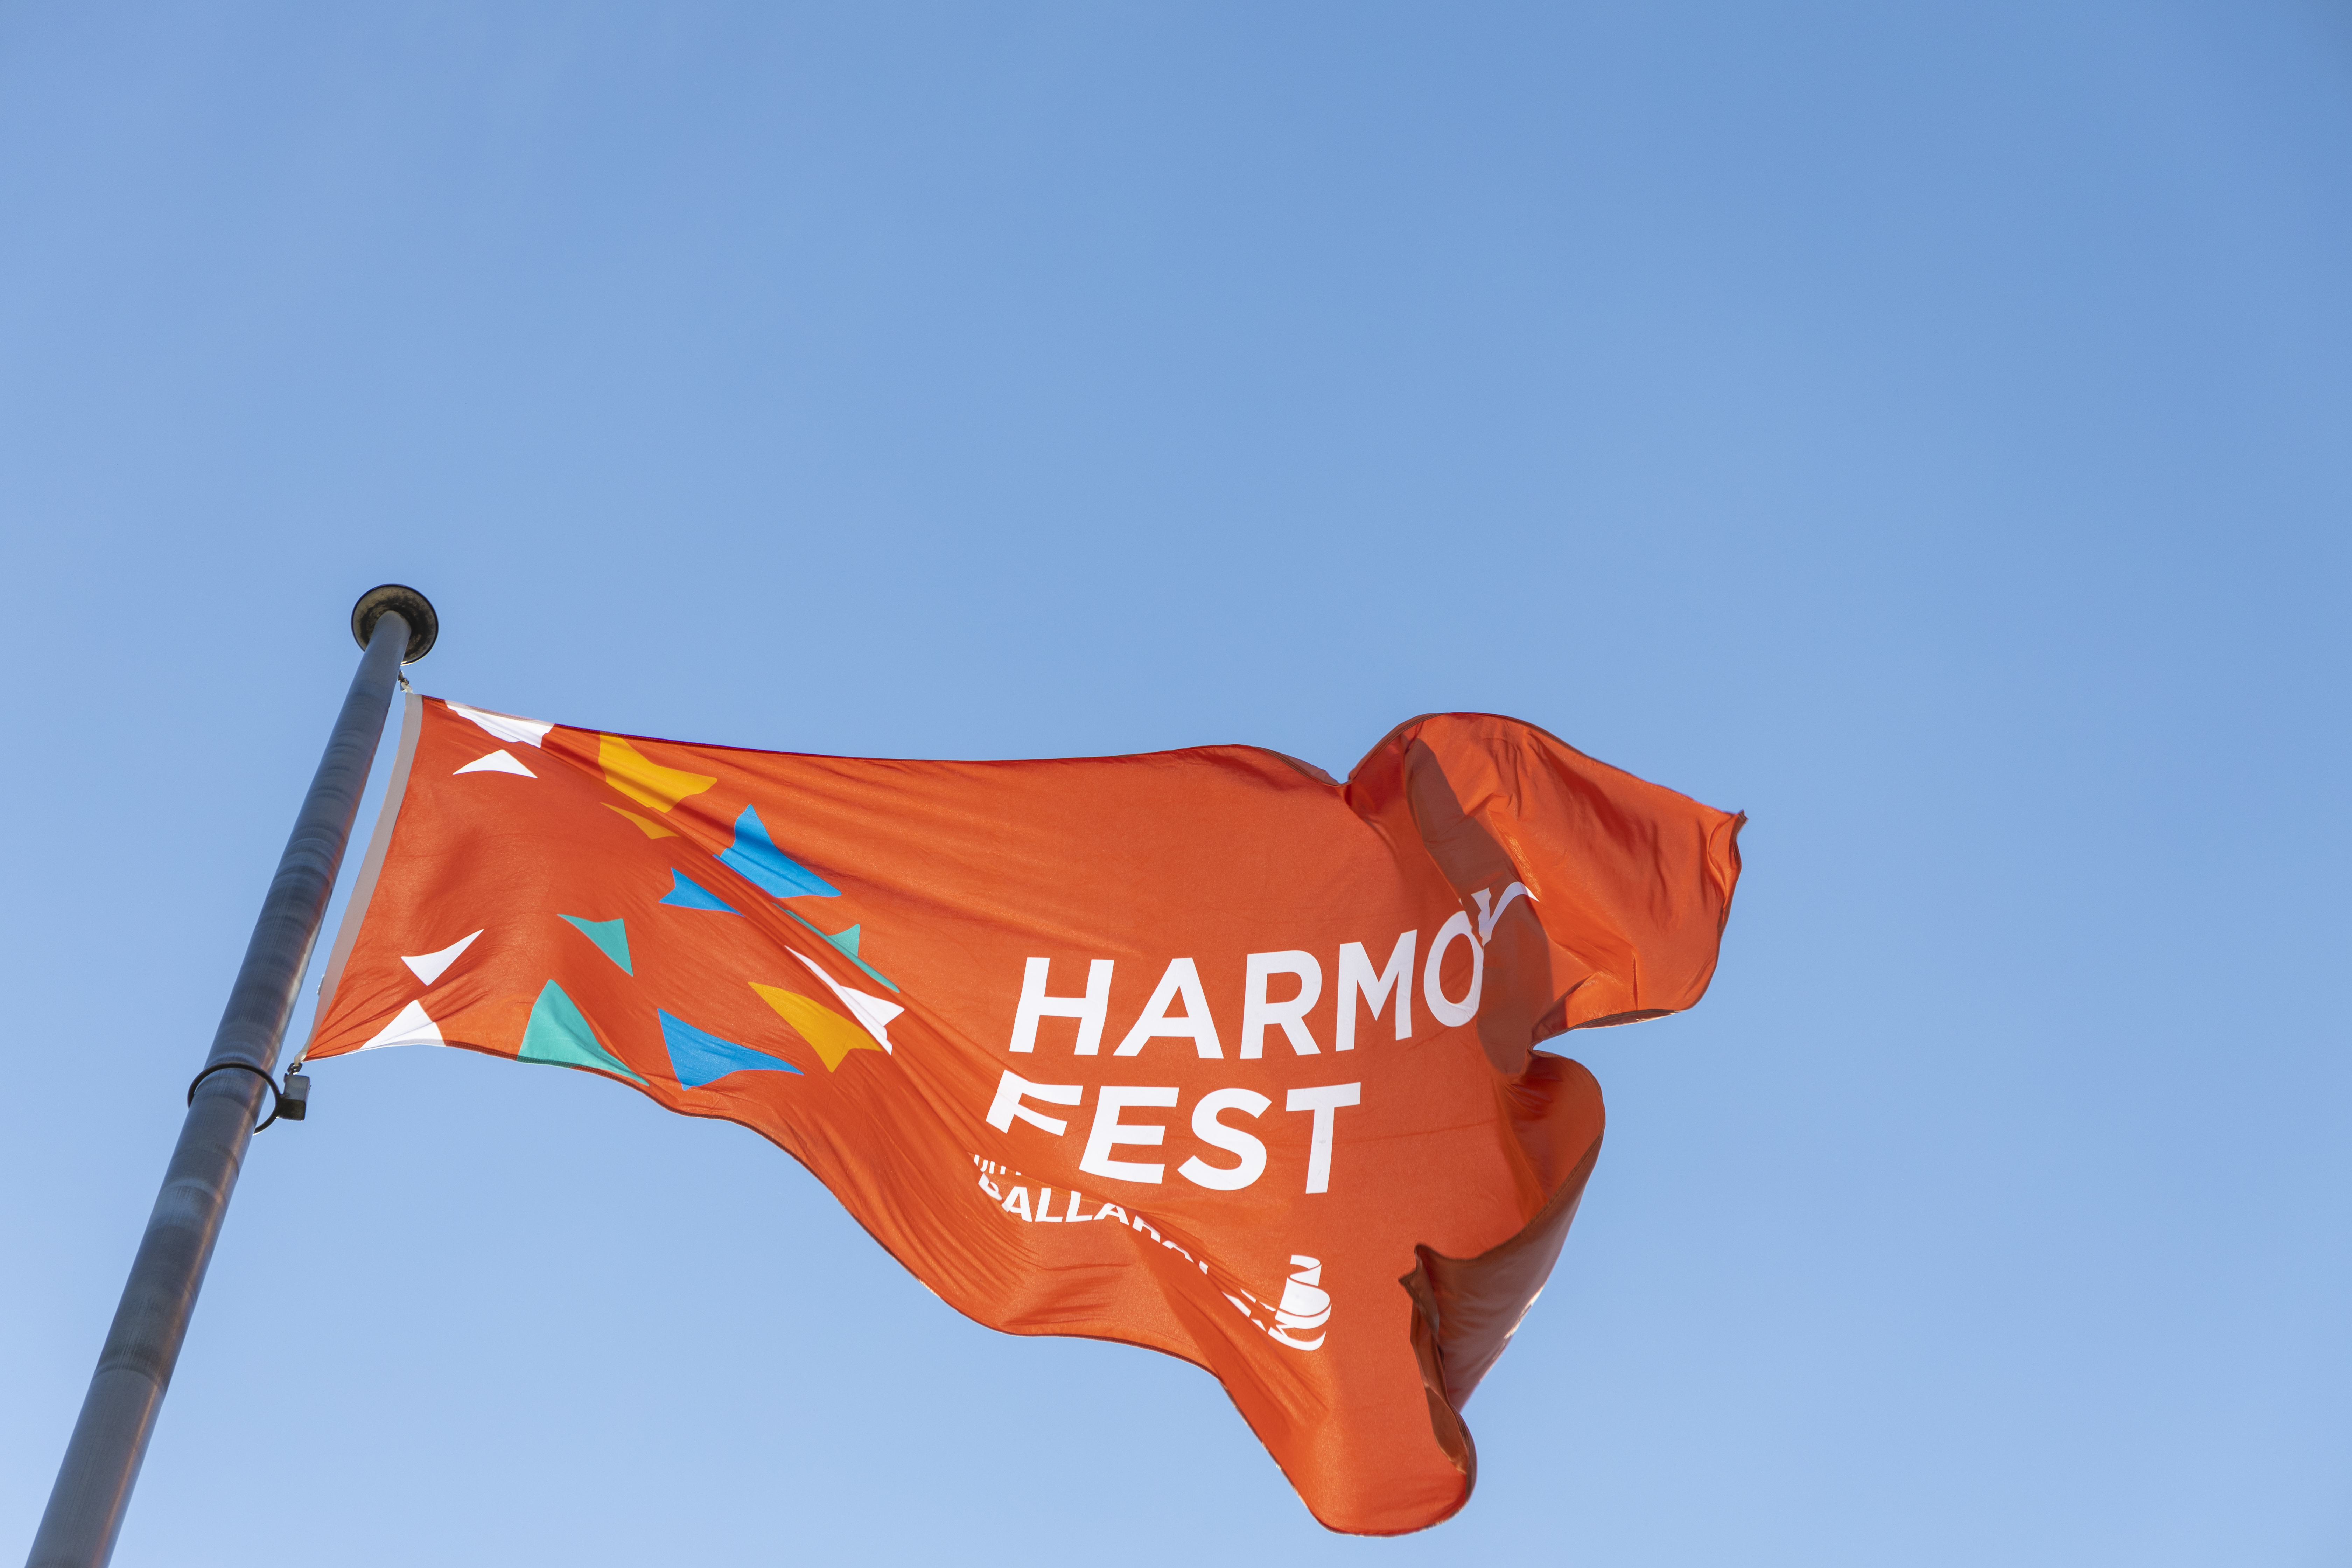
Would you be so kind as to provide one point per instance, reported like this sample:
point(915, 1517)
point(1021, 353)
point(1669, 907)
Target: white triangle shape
point(430, 966)
point(871, 1011)
point(498, 761)
point(409, 1026)
point(505, 726)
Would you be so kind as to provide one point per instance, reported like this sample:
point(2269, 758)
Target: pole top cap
point(412, 606)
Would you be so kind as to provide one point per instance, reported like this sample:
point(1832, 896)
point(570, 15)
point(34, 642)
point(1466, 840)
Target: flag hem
point(412, 726)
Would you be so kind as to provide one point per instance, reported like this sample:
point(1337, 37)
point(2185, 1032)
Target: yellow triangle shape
point(646, 825)
point(643, 779)
point(832, 1035)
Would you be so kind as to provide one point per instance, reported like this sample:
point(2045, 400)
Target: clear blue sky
point(1926, 427)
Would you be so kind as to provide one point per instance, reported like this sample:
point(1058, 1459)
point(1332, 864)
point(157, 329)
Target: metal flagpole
point(396, 625)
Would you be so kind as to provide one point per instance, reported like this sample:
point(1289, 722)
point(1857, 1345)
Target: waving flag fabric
point(1200, 1050)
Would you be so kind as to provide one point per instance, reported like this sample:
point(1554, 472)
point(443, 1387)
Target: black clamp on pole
point(277, 1098)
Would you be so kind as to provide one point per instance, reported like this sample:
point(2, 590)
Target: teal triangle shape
point(611, 936)
point(559, 1035)
point(846, 942)
point(700, 1056)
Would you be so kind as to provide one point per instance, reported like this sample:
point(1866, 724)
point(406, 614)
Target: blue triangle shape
point(686, 893)
point(700, 1056)
point(778, 874)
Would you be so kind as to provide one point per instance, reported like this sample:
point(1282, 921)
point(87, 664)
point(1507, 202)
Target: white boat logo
point(1306, 1305)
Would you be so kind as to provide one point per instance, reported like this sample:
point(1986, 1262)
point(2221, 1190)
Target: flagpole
point(396, 625)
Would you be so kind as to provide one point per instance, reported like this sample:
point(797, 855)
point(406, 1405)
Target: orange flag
point(1200, 1050)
